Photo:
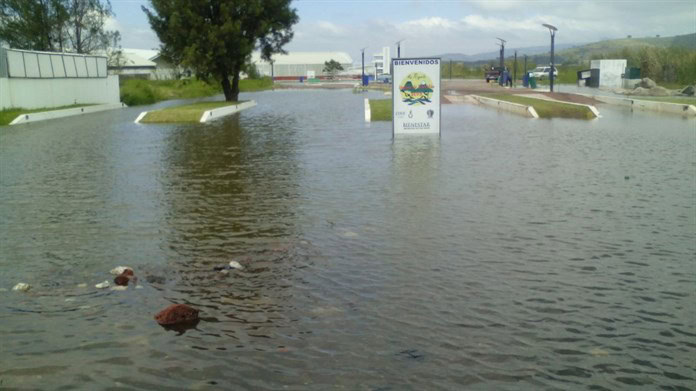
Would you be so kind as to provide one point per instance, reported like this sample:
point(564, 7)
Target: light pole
point(552, 31)
point(362, 78)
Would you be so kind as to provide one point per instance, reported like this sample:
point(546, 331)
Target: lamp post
point(362, 78)
point(552, 31)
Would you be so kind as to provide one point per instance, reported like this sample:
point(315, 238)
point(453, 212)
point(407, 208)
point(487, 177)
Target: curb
point(640, 104)
point(210, 115)
point(516, 108)
point(53, 114)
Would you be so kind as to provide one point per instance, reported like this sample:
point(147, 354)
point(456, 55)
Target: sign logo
point(416, 88)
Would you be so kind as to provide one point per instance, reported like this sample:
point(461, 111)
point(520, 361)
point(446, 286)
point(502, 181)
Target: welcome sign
point(416, 95)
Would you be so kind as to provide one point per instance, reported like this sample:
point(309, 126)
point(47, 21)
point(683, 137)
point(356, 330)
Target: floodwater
point(507, 254)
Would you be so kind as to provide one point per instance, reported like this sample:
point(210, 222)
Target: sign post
point(416, 96)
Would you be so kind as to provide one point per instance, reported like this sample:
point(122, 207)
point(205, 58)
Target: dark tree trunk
point(227, 89)
point(235, 86)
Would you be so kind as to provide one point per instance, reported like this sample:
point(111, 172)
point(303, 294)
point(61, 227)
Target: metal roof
point(297, 58)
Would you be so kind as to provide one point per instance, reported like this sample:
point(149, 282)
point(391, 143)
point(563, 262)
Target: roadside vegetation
point(136, 92)
point(546, 108)
point(8, 115)
point(186, 113)
point(380, 109)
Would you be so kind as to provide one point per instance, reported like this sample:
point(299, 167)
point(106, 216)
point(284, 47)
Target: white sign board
point(416, 95)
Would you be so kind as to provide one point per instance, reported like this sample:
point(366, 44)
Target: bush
point(139, 92)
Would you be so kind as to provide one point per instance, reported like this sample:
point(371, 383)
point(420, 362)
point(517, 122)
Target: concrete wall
point(610, 72)
point(293, 70)
point(39, 93)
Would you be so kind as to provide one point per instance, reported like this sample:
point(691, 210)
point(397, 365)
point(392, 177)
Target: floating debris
point(21, 287)
point(82, 285)
point(236, 265)
point(120, 269)
point(119, 288)
point(124, 278)
point(102, 285)
point(597, 352)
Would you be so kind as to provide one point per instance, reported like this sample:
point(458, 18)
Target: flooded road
point(507, 254)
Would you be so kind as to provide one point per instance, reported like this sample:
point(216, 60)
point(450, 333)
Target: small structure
point(294, 65)
point(143, 64)
point(32, 79)
point(611, 72)
point(382, 62)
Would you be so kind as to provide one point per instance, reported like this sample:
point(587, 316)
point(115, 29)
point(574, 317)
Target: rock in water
point(176, 314)
point(21, 287)
point(236, 265)
point(647, 83)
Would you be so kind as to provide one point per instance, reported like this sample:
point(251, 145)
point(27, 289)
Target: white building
point(294, 65)
point(382, 62)
point(610, 72)
point(143, 64)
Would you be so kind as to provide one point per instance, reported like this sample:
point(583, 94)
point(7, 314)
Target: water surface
point(507, 254)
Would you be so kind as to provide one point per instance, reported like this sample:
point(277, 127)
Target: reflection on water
point(506, 254)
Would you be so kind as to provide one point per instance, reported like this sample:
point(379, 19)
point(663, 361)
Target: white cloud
point(331, 28)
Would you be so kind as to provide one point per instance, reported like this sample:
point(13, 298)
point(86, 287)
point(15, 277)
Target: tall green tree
point(57, 25)
point(217, 37)
point(332, 67)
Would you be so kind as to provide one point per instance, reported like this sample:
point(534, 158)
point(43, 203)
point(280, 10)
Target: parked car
point(543, 72)
point(494, 73)
point(384, 78)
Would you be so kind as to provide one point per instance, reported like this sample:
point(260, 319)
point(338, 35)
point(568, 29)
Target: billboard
point(416, 96)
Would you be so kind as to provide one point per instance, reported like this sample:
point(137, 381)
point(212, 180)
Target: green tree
point(216, 37)
point(332, 67)
point(57, 25)
point(84, 28)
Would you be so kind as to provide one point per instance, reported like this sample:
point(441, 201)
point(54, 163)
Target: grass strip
point(144, 92)
point(546, 108)
point(186, 113)
point(8, 115)
point(381, 109)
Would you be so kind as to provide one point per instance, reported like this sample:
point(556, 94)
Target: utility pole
point(552, 31)
point(398, 47)
point(514, 72)
point(502, 61)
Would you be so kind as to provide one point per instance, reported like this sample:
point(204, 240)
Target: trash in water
point(177, 314)
point(21, 287)
point(102, 285)
point(120, 269)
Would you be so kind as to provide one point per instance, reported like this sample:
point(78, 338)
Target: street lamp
point(552, 31)
point(362, 79)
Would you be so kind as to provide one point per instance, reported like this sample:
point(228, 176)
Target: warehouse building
point(294, 65)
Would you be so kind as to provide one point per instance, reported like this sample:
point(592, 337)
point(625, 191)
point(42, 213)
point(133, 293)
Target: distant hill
point(575, 53)
point(531, 50)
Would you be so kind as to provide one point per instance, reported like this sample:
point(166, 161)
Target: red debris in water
point(176, 314)
point(123, 278)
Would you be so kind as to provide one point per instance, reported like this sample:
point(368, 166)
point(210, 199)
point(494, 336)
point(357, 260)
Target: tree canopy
point(216, 37)
point(332, 67)
point(57, 25)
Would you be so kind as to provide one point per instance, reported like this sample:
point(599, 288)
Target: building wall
point(293, 70)
point(39, 93)
point(610, 72)
point(32, 80)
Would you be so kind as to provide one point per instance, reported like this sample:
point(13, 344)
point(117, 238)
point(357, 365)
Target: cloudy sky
point(432, 27)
